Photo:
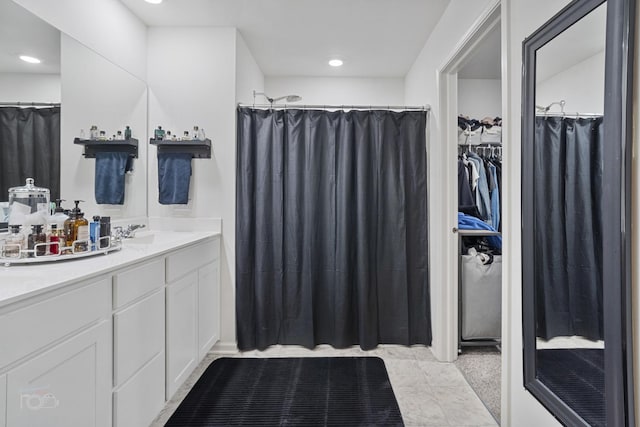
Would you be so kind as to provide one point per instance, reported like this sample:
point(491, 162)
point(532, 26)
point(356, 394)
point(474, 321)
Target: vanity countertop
point(21, 281)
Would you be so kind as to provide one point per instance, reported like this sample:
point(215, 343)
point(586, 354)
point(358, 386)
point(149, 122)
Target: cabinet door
point(68, 385)
point(208, 307)
point(182, 331)
point(3, 400)
point(138, 336)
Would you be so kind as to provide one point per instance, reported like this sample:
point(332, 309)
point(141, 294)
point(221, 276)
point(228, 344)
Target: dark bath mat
point(577, 377)
point(292, 391)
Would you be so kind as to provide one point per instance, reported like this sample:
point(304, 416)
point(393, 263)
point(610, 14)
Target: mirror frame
point(616, 202)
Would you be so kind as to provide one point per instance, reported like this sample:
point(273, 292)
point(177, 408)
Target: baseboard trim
point(227, 347)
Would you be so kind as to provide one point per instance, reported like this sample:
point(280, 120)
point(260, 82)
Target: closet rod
point(30, 104)
point(339, 107)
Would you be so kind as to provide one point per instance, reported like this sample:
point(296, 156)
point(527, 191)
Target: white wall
point(249, 77)
point(421, 88)
point(520, 19)
point(29, 87)
point(581, 86)
point(106, 26)
point(184, 92)
point(337, 90)
point(95, 91)
point(479, 98)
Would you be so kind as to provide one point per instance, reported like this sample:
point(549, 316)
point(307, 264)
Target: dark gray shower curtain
point(568, 226)
point(30, 148)
point(331, 228)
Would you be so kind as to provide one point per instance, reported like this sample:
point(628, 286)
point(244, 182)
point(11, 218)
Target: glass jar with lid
point(28, 199)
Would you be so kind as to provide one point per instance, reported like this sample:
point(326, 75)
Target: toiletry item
point(94, 232)
point(103, 136)
point(54, 240)
point(69, 227)
point(14, 243)
point(37, 237)
point(127, 133)
point(58, 218)
point(93, 132)
point(185, 136)
point(168, 136)
point(201, 135)
point(82, 134)
point(105, 232)
point(195, 133)
point(119, 135)
point(81, 229)
point(31, 198)
point(159, 133)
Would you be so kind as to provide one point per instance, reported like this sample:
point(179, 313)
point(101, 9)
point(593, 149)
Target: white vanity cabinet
point(57, 354)
point(138, 344)
point(105, 344)
point(193, 314)
point(3, 400)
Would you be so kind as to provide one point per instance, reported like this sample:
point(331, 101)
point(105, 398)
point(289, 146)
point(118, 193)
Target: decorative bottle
point(54, 240)
point(159, 133)
point(127, 133)
point(14, 243)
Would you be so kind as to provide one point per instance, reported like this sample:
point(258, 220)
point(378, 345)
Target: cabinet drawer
point(138, 335)
point(27, 329)
point(137, 281)
point(140, 400)
point(189, 259)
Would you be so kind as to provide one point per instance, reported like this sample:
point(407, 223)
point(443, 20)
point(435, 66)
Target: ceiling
point(485, 62)
point(374, 38)
point(22, 33)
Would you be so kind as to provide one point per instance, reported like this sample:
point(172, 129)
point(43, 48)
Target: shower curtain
point(568, 226)
point(331, 228)
point(30, 148)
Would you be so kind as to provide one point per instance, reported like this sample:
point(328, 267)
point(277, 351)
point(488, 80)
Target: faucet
point(128, 232)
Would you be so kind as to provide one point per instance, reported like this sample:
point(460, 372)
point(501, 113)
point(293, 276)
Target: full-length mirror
point(574, 273)
point(73, 88)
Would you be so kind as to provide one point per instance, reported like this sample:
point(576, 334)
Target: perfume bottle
point(127, 133)
point(93, 132)
point(14, 243)
point(195, 133)
point(103, 136)
point(37, 237)
point(54, 240)
point(159, 133)
point(185, 136)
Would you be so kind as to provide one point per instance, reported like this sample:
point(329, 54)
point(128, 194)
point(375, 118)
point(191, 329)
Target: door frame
point(445, 331)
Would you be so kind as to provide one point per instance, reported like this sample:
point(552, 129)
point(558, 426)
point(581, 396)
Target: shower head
point(288, 98)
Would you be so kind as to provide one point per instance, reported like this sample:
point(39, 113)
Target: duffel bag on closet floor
point(481, 289)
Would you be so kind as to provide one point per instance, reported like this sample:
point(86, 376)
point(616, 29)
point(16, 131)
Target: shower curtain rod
point(570, 115)
point(30, 104)
point(339, 107)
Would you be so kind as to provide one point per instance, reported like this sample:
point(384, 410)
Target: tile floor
point(429, 393)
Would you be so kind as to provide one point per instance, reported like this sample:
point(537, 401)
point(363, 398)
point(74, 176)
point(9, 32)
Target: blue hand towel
point(109, 182)
point(174, 174)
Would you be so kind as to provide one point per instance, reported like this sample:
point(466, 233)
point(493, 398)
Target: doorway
point(470, 83)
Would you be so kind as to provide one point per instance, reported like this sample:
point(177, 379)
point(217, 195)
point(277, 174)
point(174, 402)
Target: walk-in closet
point(479, 243)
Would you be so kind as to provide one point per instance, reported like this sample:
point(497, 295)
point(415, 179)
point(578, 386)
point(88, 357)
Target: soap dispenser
point(80, 229)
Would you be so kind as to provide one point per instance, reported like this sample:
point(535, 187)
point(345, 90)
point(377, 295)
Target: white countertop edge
point(24, 271)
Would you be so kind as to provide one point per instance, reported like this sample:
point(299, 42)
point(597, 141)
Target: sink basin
point(141, 238)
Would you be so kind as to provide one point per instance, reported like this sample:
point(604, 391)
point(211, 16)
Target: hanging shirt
point(483, 199)
point(468, 222)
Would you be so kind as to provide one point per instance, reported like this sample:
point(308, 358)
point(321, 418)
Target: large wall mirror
point(87, 89)
point(575, 203)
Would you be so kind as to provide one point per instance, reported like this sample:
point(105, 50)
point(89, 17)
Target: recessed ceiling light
point(30, 59)
point(335, 62)
point(154, 1)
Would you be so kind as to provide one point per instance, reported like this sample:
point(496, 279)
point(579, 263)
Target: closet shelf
point(93, 146)
point(478, 233)
point(198, 148)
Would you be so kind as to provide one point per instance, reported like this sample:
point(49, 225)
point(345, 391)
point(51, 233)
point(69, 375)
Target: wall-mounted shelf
point(199, 149)
point(92, 146)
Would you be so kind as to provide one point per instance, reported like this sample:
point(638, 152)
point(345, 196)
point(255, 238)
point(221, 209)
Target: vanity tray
point(68, 253)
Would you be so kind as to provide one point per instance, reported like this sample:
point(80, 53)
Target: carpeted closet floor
point(429, 393)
